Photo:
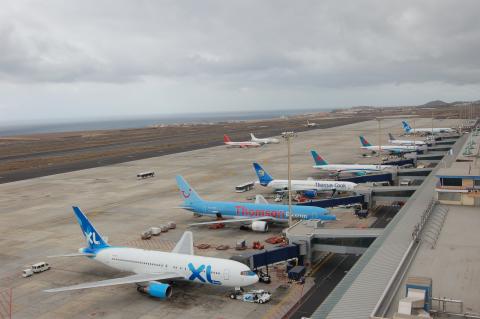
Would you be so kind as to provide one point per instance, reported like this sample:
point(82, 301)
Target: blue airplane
point(259, 214)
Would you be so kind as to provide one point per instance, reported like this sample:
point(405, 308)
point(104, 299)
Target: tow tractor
point(256, 296)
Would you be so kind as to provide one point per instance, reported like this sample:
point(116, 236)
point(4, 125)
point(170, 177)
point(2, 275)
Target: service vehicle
point(27, 272)
point(256, 296)
point(40, 267)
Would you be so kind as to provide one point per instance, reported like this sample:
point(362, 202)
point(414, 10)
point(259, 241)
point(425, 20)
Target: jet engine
point(157, 290)
point(260, 226)
point(310, 193)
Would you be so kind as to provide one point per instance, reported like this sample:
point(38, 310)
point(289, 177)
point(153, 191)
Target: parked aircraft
point(150, 267)
point(308, 187)
point(426, 130)
point(359, 169)
point(393, 140)
point(245, 144)
point(392, 149)
point(310, 124)
point(269, 140)
point(258, 214)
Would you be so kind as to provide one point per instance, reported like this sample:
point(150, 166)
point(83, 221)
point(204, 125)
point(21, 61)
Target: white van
point(27, 272)
point(40, 267)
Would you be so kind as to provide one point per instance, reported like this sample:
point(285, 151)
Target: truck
point(256, 296)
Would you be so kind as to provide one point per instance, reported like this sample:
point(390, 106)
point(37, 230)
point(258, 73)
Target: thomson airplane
point(409, 130)
point(269, 140)
point(308, 187)
point(392, 149)
point(245, 144)
point(258, 214)
point(359, 169)
point(150, 267)
point(393, 140)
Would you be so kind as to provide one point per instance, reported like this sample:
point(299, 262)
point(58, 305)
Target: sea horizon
point(129, 122)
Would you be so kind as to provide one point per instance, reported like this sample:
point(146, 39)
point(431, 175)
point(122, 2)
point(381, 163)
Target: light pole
point(288, 136)
point(379, 138)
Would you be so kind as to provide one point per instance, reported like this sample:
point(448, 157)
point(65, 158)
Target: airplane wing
point(228, 221)
point(73, 255)
point(119, 281)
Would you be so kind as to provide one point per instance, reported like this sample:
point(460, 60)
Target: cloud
point(260, 48)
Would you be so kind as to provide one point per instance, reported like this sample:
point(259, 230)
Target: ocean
point(139, 122)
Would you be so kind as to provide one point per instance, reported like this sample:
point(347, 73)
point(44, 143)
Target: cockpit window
point(248, 273)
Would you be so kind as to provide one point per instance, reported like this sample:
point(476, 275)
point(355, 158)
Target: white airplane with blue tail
point(358, 169)
point(151, 267)
point(426, 130)
point(309, 187)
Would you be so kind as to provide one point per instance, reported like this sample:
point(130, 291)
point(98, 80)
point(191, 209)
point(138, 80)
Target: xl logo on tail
point(92, 238)
point(261, 172)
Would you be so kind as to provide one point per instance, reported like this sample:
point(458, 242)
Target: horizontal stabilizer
point(119, 281)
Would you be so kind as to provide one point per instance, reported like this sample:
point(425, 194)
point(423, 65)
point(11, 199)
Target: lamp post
point(288, 136)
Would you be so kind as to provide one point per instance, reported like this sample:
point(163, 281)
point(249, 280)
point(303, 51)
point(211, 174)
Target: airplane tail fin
point(185, 244)
point(252, 136)
point(189, 195)
point(226, 139)
point(93, 237)
point(392, 138)
point(406, 126)
point(364, 141)
point(318, 159)
point(263, 176)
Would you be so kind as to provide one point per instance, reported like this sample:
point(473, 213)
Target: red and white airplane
point(245, 144)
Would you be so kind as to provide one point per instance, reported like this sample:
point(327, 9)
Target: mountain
point(435, 104)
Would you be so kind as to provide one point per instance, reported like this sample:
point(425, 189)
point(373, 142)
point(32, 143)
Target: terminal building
point(459, 184)
point(425, 263)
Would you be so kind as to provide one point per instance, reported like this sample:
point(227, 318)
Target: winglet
point(185, 244)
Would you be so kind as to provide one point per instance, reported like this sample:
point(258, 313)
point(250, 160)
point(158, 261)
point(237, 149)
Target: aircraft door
point(226, 274)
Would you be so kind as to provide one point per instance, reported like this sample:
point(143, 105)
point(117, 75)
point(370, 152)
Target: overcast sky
point(80, 59)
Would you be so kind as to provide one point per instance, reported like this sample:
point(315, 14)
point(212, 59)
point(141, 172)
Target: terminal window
point(451, 181)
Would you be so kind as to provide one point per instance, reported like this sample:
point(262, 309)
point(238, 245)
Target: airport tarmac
point(36, 220)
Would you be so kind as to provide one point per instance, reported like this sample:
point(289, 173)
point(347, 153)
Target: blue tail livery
point(93, 237)
point(406, 127)
point(189, 195)
point(364, 141)
point(263, 176)
point(318, 159)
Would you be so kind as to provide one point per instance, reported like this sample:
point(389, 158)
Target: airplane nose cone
point(254, 279)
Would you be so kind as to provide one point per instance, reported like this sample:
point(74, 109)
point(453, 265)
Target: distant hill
point(435, 104)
